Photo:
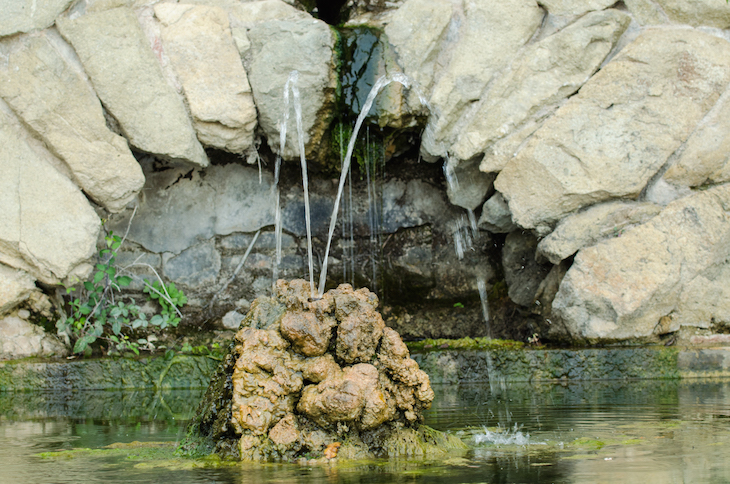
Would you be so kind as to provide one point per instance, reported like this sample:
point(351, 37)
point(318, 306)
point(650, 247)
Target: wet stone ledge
point(178, 372)
point(443, 365)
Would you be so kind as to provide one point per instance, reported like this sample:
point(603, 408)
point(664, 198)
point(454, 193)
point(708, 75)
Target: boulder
point(26, 15)
point(697, 13)
point(597, 147)
point(15, 287)
point(416, 30)
point(202, 52)
point(45, 85)
point(21, 339)
point(704, 157)
point(129, 80)
point(278, 48)
point(496, 217)
point(487, 37)
point(545, 73)
point(47, 227)
point(574, 7)
point(622, 287)
point(468, 186)
point(586, 228)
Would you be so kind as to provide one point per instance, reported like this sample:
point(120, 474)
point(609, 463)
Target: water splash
point(377, 87)
point(503, 437)
point(291, 85)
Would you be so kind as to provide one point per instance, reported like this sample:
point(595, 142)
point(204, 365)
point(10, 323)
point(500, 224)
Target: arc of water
point(377, 87)
point(291, 85)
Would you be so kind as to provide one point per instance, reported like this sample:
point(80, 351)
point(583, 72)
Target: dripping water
point(377, 87)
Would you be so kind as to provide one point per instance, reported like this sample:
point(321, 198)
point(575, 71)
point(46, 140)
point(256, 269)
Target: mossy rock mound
point(312, 378)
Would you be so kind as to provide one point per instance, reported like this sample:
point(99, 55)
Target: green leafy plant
point(99, 312)
point(170, 299)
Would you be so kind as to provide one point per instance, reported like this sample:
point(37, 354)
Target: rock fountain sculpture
point(315, 378)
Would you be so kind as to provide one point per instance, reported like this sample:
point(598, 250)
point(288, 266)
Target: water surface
point(607, 431)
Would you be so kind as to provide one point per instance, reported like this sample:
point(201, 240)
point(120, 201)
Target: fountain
point(317, 374)
point(316, 378)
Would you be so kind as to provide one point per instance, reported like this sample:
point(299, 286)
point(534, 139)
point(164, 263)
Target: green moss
point(133, 450)
point(467, 343)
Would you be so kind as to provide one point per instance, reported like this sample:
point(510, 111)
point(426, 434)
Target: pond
point(600, 431)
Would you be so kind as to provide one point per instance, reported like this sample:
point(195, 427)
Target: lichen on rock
point(305, 374)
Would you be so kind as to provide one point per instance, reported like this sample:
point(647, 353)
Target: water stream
point(377, 87)
point(291, 85)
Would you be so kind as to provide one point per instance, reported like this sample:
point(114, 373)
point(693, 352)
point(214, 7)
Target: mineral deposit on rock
point(305, 375)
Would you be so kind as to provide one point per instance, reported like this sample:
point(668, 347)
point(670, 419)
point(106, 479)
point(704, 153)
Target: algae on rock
point(305, 375)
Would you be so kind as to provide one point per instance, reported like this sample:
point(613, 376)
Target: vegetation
point(99, 313)
point(367, 153)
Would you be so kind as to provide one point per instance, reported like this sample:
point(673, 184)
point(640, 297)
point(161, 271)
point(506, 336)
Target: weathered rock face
point(202, 51)
point(637, 285)
point(278, 48)
point(577, 121)
point(128, 79)
point(47, 227)
point(44, 84)
point(309, 373)
point(589, 150)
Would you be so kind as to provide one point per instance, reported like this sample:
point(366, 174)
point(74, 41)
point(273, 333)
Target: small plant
point(170, 298)
point(458, 305)
point(98, 312)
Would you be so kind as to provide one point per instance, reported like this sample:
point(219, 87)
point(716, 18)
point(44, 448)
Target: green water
point(639, 431)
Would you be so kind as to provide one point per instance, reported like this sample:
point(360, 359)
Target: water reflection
point(639, 431)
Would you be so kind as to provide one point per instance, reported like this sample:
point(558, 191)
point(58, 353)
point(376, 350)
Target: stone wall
point(583, 147)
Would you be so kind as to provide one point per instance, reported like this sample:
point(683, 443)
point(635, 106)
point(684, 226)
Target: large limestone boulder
point(129, 80)
point(26, 15)
point(202, 52)
point(416, 31)
point(597, 146)
point(592, 225)
point(22, 339)
point(279, 47)
point(15, 287)
point(704, 157)
point(546, 72)
point(47, 227)
point(487, 37)
point(696, 13)
point(639, 285)
point(44, 83)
